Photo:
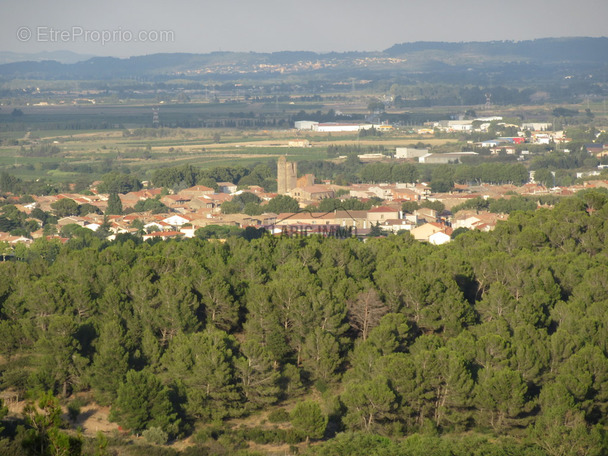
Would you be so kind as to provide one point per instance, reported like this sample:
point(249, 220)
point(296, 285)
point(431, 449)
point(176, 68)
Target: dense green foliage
point(491, 173)
point(151, 204)
point(12, 184)
point(351, 170)
point(114, 205)
point(308, 418)
point(188, 176)
point(506, 205)
point(16, 222)
point(504, 333)
point(119, 183)
point(245, 202)
point(282, 203)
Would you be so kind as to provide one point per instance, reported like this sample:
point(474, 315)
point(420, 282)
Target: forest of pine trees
point(496, 343)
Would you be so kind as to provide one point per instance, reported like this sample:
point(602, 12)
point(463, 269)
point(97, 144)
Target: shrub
point(74, 409)
point(155, 435)
point(147, 450)
point(195, 451)
point(207, 433)
point(321, 386)
point(232, 442)
point(278, 416)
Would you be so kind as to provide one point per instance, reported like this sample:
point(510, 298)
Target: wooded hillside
point(497, 338)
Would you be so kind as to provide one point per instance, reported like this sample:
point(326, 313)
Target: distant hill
point(417, 56)
point(545, 50)
point(58, 56)
point(175, 64)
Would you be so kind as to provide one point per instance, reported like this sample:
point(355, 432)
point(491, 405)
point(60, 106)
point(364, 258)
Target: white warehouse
point(408, 152)
point(330, 127)
point(305, 125)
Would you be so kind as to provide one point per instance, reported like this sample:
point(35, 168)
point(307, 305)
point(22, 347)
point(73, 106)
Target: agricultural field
point(73, 152)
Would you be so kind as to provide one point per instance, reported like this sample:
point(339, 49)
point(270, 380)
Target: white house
point(439, 238)
point(395, 225)
point(158, 226)
point(176, 220)
point(226, 187)
point(93, 226)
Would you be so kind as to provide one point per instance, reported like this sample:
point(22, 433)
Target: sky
point(124, 28)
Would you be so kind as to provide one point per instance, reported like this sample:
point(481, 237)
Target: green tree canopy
point(143, 402)
point(119, 183)
point(65, 207)
point(282, 203)
point(308, 418)
point(114, 205)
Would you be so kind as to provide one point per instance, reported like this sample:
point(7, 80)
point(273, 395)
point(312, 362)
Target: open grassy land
point(62, 155)
point(62, 142)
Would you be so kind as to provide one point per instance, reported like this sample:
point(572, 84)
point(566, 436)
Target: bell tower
point(287, 175)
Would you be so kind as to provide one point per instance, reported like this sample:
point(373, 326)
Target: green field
point(87, 117)
point(88, 141)
point(90, 153)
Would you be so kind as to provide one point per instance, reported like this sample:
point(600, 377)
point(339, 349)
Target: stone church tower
point(287, 175)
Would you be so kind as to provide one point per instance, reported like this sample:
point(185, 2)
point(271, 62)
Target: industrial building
point(335, 127)
point(408, 152)
point(450, 157)
point(305, 125)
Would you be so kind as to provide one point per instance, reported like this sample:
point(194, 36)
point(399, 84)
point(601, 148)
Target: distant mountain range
point(58, 56)
point(545, 50)
point(417, 56)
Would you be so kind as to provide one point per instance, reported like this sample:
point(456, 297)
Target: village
point(199, 206)
point(382, 207)
point(304, 230)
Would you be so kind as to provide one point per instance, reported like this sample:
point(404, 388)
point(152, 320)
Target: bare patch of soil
point(94, 418)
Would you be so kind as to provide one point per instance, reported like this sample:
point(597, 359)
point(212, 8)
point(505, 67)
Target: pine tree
point(259, 378)
point(110, 363)
point(308, 418)
point(60, 358)
point(143, 402)
point(321, 355)
point(368, 404)
point(204, 363)
point(220, 307)
point(365, 312)
point(114, 205)
point(501, 397)
point(44, 436)
point(561, 428)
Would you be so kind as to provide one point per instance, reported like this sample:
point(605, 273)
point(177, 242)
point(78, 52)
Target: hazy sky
point(134, 27)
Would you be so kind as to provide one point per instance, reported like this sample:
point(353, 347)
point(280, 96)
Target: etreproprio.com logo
point(46, 34)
